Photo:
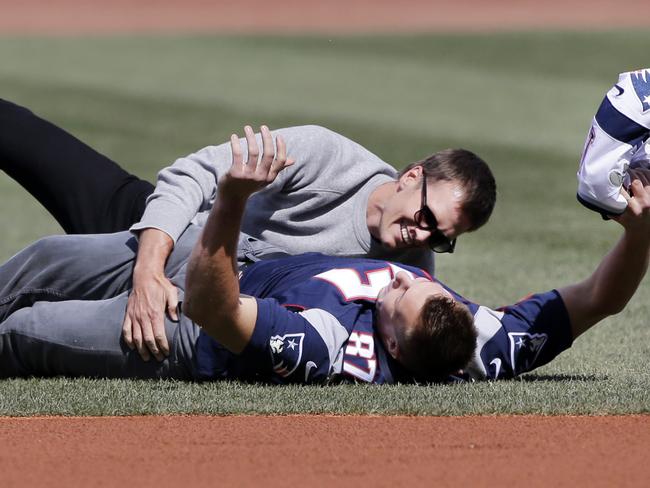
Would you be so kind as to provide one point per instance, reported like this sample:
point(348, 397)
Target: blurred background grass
point(523, 101)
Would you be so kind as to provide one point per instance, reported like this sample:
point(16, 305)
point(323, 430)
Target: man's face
point(399, 305)
point(397, 226)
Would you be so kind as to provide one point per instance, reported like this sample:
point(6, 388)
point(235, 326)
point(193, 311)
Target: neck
point(376, 203)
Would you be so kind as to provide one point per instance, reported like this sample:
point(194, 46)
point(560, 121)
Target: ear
point(410, 177)
point(392, 347)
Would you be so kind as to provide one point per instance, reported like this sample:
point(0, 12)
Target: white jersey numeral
point(358, 285)
point(355, 286)
point(361, 345)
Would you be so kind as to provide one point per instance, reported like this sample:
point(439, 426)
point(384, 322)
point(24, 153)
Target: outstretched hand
point(637, 213)
point(246, 176)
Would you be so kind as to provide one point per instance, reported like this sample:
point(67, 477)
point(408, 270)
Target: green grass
point(548, 395)
point(521, 100)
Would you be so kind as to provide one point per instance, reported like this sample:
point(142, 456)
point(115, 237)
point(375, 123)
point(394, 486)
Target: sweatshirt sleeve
point(189, 186)
point(184, 189)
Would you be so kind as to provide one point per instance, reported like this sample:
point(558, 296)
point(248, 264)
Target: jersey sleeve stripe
point(618, 125)
point(331, 332)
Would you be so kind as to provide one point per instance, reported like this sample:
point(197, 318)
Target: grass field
point(521, 100)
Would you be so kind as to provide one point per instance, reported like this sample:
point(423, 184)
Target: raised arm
point(612, 285)
point(212, 297)
point(328, 170)
point(183, 190)
point(187, 187)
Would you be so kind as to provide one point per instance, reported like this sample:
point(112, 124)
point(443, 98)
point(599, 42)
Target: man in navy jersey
point(308, 318)
point(511, 341)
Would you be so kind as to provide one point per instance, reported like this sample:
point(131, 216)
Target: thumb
point(172, 303)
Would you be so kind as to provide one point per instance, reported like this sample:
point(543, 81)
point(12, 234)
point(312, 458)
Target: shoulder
point(521, 337)
point(311, 132)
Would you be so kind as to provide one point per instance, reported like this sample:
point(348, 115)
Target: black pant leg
point(85, 191)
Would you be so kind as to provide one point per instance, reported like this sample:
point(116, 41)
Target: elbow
point(204, 307)
point(613, 308)
point(202, 313)
point(606, 304)
point(600, 310)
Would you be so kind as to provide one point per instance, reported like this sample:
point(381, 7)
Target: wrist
point(154, 247)
point(637, 237)
point(229, 208)
point(145, 270)
point(145, 276)
point(230, 196)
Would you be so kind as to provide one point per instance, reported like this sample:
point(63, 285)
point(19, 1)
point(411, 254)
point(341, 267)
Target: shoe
point(618, 139)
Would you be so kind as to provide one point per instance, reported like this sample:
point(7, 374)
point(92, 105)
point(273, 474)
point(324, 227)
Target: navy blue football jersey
point(316, 323)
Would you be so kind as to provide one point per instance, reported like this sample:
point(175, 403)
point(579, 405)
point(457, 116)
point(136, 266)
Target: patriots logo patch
point(641, 83)
point(286, 352)
point(524, 350)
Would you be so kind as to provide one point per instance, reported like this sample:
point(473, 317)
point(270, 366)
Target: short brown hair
point(472, 173)
point(442, 342)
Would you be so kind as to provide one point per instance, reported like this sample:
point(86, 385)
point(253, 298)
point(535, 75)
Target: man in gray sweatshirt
point(337, 198)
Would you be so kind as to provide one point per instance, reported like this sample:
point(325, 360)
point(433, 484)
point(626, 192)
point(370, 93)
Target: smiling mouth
point(407, 238)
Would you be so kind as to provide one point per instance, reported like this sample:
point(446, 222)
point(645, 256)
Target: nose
point(421, 235)
point(402, 280)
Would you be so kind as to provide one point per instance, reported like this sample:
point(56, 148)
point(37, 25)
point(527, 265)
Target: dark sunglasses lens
point(439, 243)
point(425, 219)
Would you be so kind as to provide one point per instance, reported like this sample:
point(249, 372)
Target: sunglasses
point(425, 220)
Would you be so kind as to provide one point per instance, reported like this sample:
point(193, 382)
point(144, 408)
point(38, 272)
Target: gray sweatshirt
point(317, 205)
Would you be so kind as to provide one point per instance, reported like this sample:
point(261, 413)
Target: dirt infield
point(323, 450)
point(292, 16)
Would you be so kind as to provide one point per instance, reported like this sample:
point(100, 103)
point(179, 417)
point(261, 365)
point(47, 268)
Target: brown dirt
point(325, 450)
point(291, 16)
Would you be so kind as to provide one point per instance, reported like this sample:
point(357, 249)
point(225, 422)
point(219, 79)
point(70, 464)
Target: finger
point(127, 333)
point(253, 148)
point(137, 341)
point(281, 152)
point(235, 147)
point(633, 203)
point(281, 160)
point(172, 303)
point(267, 148)
point(149, 337)
point(281, 155)
point(160, 338)
point(636, 188)
point(643, 177)
point(273, 173)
